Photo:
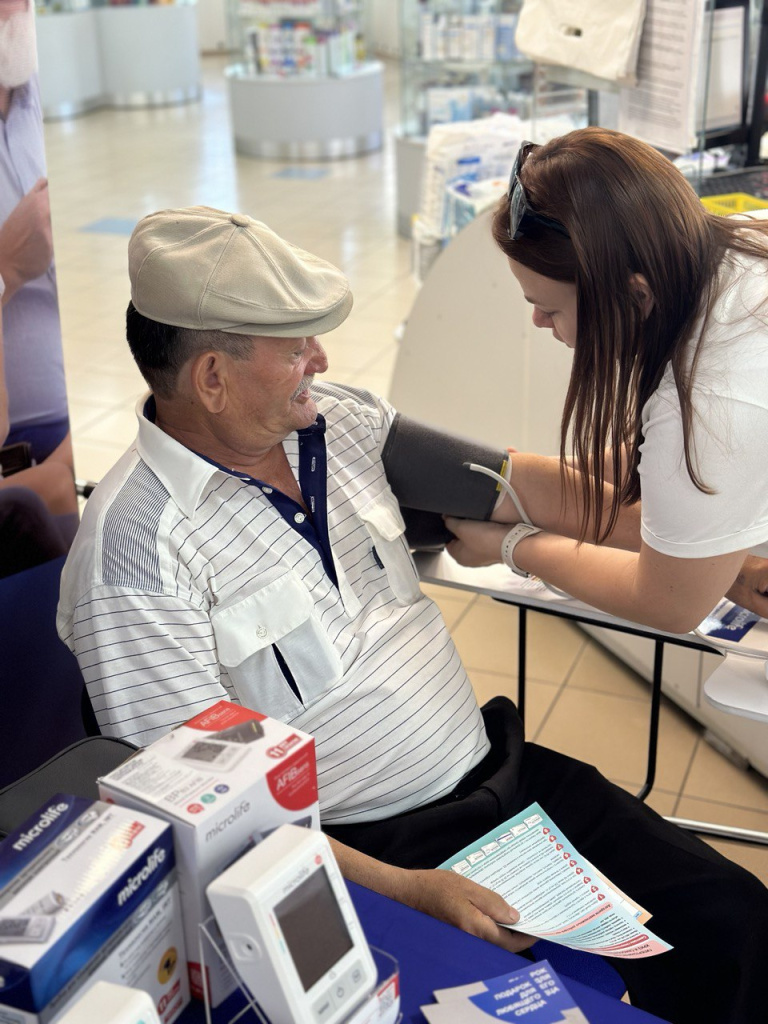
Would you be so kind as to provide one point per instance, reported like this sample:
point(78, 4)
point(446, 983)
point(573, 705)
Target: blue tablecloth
point(434, 955)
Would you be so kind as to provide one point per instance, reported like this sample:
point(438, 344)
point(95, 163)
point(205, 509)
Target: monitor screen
point(313, 927)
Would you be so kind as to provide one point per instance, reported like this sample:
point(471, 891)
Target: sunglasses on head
point(521, 215)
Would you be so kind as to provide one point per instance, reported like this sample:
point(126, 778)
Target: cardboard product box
point(116, 1004)
point(88, 892)
point(224, 780)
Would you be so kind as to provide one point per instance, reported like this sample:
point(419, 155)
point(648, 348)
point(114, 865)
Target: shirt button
point(261, 632)
point(267, 490)
point(299, 517)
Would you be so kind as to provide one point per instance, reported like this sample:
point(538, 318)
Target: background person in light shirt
point(34, 365)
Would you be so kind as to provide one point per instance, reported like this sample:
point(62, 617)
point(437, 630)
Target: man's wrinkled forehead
point(11, 7)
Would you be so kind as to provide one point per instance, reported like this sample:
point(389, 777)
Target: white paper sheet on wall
point(661, 108)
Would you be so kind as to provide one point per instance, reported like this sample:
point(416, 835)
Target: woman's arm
point(538, 483)
point(671, 594)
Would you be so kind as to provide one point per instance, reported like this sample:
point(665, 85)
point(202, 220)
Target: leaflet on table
point(728, 624)
point(557, 892)
point(536, 994)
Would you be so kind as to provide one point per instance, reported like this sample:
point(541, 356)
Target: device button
point(340, 991)
point(244, 947)
point(324, 1007)
point(356, 975)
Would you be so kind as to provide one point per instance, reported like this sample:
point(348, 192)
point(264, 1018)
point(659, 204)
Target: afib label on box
point(224, 780)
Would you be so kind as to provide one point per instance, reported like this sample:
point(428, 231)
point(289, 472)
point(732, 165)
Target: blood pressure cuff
point(425, 469)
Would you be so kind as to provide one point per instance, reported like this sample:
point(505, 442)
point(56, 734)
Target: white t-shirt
point(729, 432)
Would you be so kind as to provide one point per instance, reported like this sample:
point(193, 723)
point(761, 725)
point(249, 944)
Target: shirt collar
point(183, 473)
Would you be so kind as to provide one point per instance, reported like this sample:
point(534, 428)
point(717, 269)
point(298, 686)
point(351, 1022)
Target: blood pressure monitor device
point(292, 931)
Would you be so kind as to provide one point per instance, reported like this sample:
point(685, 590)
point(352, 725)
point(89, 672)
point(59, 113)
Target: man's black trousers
point(713, 912)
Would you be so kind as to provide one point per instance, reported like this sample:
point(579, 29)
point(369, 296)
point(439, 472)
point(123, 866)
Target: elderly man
point(250, 546)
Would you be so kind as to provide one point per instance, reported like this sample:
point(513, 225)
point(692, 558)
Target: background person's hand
point(477, 543)
point(26, 239)
point(466, 905)
point(751, 587)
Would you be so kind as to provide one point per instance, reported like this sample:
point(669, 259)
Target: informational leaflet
point(661, 108)
point(535, 994)
point(732, 628)
point(559, 894)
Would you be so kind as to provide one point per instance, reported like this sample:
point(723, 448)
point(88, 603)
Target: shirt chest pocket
point(280, 615)
point(384, 522)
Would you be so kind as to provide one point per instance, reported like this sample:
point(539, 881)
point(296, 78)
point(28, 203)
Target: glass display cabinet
point(460, 63)
point(93, 53)
point(302, 89)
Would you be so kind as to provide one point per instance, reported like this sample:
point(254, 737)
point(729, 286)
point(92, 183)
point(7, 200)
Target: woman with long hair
point(661, 488)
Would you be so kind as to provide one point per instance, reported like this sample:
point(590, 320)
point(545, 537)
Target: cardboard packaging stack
point(224, 780)
point(88, 892)
point(116, 1004)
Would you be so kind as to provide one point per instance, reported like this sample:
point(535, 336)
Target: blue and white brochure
point(535, 994)
point(728, 624)
point(558, 893)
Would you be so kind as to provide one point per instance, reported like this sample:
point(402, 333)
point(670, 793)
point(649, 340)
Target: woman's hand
point(477, 543)
point(751, 587)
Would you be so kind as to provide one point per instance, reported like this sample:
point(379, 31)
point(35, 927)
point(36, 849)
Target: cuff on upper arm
point(425, 469)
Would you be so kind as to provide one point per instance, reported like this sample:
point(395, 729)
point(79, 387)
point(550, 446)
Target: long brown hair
point(627, 211)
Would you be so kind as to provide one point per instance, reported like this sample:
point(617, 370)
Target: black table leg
point(653, 728)
point(522, 622)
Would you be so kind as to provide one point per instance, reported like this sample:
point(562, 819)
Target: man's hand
point(26, 240)
point(466, 905)
point(751, 587)
point(476, 543)
point(442, 894)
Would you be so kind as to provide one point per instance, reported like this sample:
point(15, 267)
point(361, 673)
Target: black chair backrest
point(42, 695)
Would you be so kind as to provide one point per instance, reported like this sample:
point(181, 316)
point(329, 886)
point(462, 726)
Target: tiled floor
point(108, 169)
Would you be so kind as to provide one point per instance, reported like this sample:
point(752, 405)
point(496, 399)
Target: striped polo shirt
point(187, 584)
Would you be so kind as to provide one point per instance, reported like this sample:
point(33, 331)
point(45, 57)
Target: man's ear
point(208, 378)
point(641, 291)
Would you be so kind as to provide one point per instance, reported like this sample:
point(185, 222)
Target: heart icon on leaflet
point(572, 863)
point(559, 847)
point(579, 871)
point(600, 896)
point(594, 888)
point(565, 856)
point(552, 839)
point(545, 831)
point(587, 878)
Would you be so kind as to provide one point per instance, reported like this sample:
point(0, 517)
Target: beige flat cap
point(210, 270)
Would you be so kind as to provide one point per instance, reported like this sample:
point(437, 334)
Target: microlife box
point(88, 893)
point(224, 780)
